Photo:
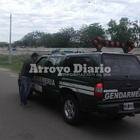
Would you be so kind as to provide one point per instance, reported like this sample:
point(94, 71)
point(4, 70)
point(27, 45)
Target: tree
point(90, 32)
point(70, 36)
point(122, 31)
point(61, 39)
point(136, 33)
point(4, 44)
point(33, 39)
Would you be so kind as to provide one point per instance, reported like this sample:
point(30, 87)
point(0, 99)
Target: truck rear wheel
point(71, 112)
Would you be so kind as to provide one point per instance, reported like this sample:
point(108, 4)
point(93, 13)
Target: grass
point(16, 63)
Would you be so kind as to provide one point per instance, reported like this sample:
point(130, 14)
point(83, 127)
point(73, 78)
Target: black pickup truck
point(115, 92)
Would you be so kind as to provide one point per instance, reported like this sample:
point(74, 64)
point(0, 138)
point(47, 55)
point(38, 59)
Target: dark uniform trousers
point(24, 88)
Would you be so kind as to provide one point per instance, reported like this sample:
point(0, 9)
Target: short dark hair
point(34, 55)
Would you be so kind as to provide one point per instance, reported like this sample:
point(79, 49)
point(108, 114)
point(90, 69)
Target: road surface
point(43, 121)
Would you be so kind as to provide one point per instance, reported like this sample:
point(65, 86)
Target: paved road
point(42, 121)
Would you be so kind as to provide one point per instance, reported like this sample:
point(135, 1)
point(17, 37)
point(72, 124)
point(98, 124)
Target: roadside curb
point(10, 72)
point(4, 69)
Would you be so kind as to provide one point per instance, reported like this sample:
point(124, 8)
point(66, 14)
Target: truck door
point(38, 77)
point(51, 76)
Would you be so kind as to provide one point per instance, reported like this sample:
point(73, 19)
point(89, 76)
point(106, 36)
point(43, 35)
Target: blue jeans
point(24, 89)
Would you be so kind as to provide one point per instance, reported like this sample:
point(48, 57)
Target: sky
point(52, 15)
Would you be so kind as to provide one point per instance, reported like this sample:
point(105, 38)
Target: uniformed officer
point(25, 81)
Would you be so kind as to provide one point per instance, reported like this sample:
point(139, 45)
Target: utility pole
point(10, 40)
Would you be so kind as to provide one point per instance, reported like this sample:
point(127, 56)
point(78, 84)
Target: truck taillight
point(98, 90)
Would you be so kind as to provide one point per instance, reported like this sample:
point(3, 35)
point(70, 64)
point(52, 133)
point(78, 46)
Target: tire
point(71, 112)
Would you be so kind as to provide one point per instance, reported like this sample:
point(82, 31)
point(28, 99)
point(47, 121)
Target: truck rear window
point(122, 64)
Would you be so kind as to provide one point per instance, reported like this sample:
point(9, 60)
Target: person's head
point(34, 56)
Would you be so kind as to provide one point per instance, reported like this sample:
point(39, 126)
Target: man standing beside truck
point(25, 80)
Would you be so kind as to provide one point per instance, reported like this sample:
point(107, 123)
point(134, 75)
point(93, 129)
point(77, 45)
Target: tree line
point(121, 31)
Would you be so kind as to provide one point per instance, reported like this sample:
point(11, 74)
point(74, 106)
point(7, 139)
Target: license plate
point(128, 106)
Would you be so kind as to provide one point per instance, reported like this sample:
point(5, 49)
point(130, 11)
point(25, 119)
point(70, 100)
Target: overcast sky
point(52, 15)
